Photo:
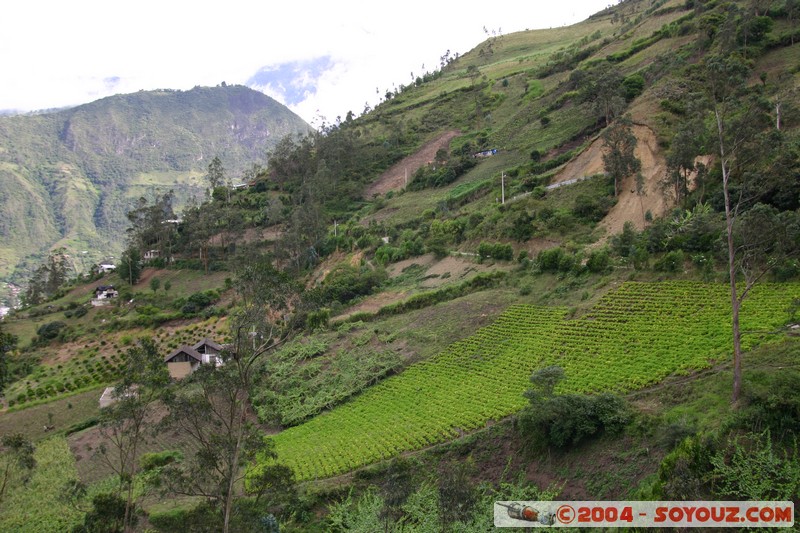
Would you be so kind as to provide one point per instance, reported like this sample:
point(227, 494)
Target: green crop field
point(635, 336)
point(39, 506)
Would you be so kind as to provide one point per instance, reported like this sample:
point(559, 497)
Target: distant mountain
point(67, 178)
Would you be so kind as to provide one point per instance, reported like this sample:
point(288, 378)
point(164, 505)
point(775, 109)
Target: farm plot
point(634, 336)
point(39, 506)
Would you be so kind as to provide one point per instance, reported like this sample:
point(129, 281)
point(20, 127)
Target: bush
point(671, 262)
point(500, 251)
point(599, 261)
point(149, 461)
point(50, 330)
point(80, 426)
point(318, 319)
point(560, 421)
point(199, 301)
point(347, 283)
point(633, 85)
point(204, 517)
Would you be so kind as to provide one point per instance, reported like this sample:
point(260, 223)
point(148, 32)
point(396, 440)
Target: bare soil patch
point(631, 206)
point(374, 303)
point(395, 269)
point(588, 163)
point(451, 269)
point(394, 179)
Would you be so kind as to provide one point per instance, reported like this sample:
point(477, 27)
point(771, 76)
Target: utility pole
point(336, 234)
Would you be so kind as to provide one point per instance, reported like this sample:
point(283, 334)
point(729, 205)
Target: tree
point(567, 419)
point(216, 173)
point(457, 495)
point(212, 408)
point(619, 159)
point(16, 462)
point(167, 285)
point(603, 88)
point(739, 117)
point(792, 11)
point(123, 423)
point(130, 267)
point(8, 343)
point(48, 278)
point(686, 145)
point(155, 283)
point(199, 225)
point(152, 226)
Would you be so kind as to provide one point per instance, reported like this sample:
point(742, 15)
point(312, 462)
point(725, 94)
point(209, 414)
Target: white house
point(103, 295)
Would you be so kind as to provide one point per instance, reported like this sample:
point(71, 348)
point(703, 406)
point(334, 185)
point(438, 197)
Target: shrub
point(671, 262)
point(50, 330)
point(199, 301)
point(503, 252)
point(559, 421)
point(599, 261)
point(149, 461)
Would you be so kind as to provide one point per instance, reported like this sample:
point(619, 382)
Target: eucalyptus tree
point(757, 237)
point(212, 408)
point(125, 422)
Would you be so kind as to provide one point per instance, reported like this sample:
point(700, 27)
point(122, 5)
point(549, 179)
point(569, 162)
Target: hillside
point(510, 280)
point(69, 177)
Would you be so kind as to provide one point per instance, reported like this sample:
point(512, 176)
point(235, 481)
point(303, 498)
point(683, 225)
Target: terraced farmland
point(635, 336)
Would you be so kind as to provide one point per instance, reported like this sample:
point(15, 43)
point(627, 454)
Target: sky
point(320, 58)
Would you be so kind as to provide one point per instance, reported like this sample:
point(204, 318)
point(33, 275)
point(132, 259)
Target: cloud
point(111, 82)
point(291, 82)
point(317, 57)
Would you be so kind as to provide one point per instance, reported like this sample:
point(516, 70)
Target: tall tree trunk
point(730, 215)
point(126, 522)
point(234, 467)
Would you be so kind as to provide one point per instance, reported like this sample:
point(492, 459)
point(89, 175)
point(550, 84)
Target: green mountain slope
point(68, 178)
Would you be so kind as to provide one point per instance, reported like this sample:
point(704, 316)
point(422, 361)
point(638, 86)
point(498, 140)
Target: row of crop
point(684, 326)
point(51, 382)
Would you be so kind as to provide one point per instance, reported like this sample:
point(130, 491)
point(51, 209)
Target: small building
point(209, 350)
point(151, 254)
point(486, 153)
point(186, 359)
point(105, 292)
point(107, 397)
point(105, 268)
point(183, 361)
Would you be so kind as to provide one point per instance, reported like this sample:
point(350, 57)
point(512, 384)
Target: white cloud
point(55, 53)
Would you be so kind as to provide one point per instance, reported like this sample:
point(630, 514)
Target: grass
point(38, 506)
point(619, 346)
point(65, 413)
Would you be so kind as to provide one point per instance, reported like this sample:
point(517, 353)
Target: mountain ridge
point(68, 177)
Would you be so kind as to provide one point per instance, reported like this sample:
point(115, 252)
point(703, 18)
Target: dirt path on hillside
point(394, 179)
point(630, 205)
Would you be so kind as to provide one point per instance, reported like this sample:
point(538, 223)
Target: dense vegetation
point(634, 336)
point(69, 177)
point(456, 315)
